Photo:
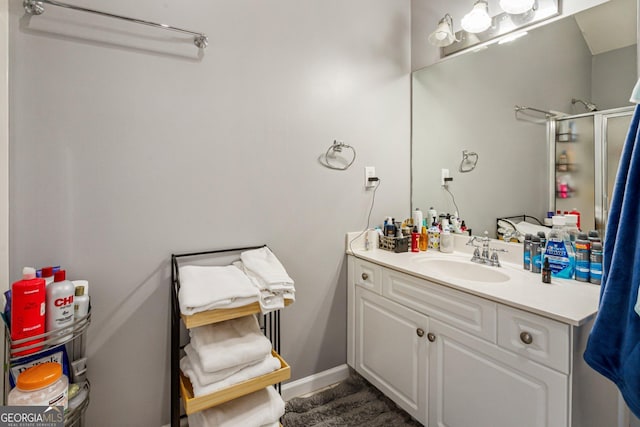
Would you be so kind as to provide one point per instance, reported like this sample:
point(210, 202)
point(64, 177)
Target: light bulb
point(516, 7)
point(443, 35)
point(478, 20)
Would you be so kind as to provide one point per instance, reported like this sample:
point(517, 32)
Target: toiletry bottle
point(47, 275)
point(60, 306)
point(576, 212)
point(446, 241)
point(424, 239)
point(417, 219)
point(583, 257)
point(559, 250)
point(28, 310)
point(536, 255)
point(543, 240)
point(571, 227)
point(546, 271)
point(432, 216)
point(595, 267)
point(594, 236)
point(527, 252)
point(563, 162)
point(434, 236)
point(80, 303)
point(415, 240)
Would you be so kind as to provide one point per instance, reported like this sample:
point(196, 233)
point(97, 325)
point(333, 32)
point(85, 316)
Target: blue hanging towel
point(613, 348)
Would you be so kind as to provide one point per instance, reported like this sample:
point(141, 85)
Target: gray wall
point(468, 103)
point(613, 76)
point(125, 147)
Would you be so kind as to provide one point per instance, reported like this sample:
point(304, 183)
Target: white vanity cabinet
point(453, 359)
point(391, 350)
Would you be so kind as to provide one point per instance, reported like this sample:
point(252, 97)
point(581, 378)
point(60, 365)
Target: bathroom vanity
point(459, 344)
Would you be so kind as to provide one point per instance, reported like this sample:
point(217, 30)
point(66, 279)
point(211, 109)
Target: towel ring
point(469, 161)
point(337, 147)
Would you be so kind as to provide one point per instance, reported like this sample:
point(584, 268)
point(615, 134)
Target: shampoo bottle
point(424, 239)
point(81, 303)
point(28, 310)
point(60, 295)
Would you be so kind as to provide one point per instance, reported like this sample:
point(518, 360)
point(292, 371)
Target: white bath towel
point(230, 343)
point(201, 388)
point(208, 287)
point(209, 377)
point(270, 300)
point(267, 268)
point(263, 407)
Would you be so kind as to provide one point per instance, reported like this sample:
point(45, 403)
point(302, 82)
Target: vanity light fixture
point(443, 35)
point(478, 20)
point(517, 7)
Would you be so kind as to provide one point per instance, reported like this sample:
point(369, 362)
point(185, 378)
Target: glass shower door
point(575, 168)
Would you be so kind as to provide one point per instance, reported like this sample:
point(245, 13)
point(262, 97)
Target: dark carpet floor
point(353, 402)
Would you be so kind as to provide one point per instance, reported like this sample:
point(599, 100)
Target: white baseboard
point(314, 382)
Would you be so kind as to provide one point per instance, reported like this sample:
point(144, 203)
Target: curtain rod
point(35, 7)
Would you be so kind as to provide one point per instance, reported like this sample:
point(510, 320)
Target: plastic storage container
point(41, 385)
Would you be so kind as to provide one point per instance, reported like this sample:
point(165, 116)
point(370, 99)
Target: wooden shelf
point(222, 314)
point(194, 404)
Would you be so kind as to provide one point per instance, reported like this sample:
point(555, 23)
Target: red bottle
point(415, 240)
point(28, 298)
point(576, 213)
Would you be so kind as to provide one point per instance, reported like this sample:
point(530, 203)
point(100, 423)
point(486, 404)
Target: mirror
point(467, 103)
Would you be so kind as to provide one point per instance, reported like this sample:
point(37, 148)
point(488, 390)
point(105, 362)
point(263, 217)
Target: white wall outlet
point(369, 172)
point(444, 174)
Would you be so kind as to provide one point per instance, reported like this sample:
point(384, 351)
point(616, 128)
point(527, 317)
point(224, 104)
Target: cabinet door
point(475, 383)
point(391, 351)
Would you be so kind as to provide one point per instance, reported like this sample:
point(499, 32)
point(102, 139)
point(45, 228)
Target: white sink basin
point(463, 270)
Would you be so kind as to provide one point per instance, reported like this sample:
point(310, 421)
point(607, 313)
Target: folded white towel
point(270, 300)
point(208, 287)
point(201, 388)
point(230, 343)
point(263, 407)
point(267, 268)
point(209, 377)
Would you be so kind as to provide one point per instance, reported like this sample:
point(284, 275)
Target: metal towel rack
point(525, 114)
point(36, 7)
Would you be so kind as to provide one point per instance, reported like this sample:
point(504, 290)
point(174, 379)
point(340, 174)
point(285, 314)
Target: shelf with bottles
point(567, 137)
point(46, 341)
point(567, 167)
point(72, 345)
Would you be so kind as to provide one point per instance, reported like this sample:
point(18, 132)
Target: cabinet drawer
point(467, 312)
point(538, 338)
point(367, 275)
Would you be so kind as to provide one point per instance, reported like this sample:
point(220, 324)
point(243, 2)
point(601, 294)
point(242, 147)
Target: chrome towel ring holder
point(331, 157)
point(469, 161)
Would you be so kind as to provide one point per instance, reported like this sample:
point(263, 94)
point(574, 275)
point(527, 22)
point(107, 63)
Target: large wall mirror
point(467, 103)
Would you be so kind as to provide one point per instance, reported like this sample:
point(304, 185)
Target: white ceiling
point(609, 26)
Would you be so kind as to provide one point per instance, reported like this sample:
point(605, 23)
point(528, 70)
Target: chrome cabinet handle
point(420, 332)
point(365, 276)
point(526, 338)
point(431, 337)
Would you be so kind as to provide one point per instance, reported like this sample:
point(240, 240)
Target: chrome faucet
point(484, 257)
